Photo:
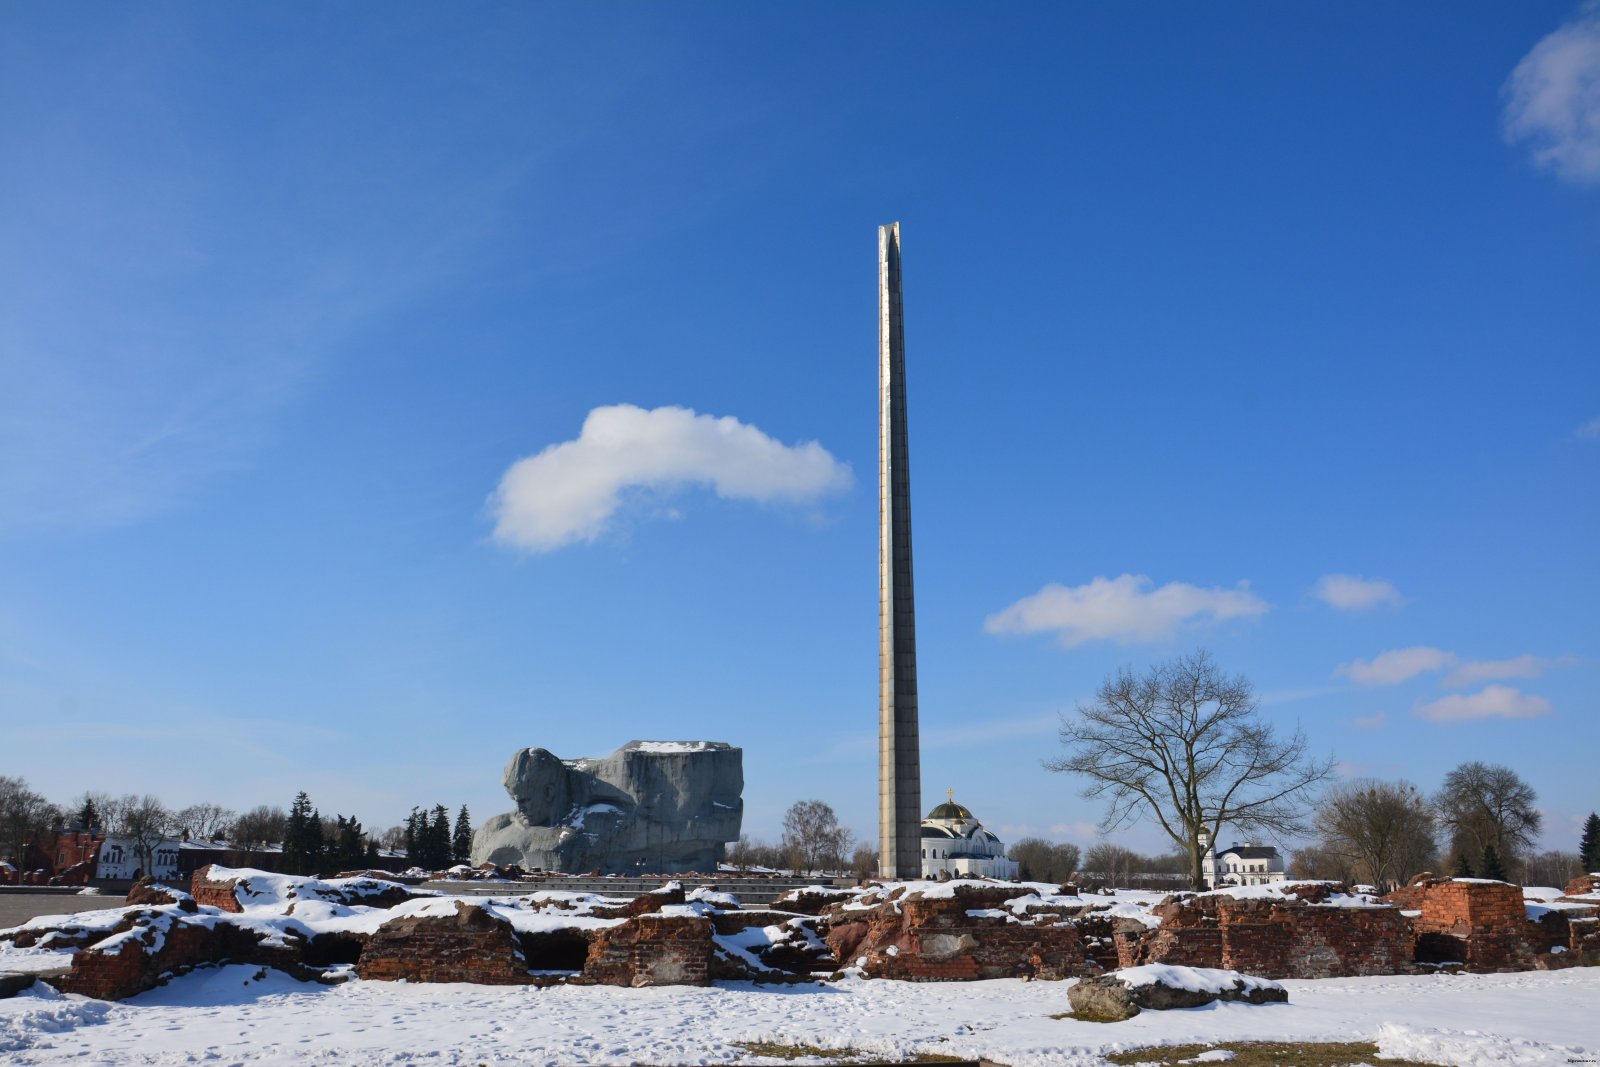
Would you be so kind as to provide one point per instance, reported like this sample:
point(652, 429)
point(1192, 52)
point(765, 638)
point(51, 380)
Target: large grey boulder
point(656, 806)
point(1162, 987)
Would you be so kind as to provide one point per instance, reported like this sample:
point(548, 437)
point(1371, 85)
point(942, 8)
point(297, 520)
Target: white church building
point(956, 844)
point(1246, 864)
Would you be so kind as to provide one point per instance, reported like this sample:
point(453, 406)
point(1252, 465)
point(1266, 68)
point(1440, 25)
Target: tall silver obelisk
point(899, 753)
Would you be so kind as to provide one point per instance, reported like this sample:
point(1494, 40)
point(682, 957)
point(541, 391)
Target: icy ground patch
point(228, 1015)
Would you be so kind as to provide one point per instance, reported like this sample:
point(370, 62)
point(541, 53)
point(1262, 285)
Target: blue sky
point(1203, 307)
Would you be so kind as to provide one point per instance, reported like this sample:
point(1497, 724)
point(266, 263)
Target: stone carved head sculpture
point(538, 781)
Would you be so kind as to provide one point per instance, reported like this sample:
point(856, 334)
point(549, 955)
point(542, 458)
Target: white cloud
point(1370, 722)
point(571, 491)
point(1349, 592)
point(1396, 665)
point(1553, 99)
point(1494, 702)
point(1123, 609)
point(1484, 670)
point(1589, 431)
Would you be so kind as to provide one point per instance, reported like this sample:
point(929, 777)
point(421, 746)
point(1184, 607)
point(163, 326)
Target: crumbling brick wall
point(1297, 937)
point(139, 963)
point(1583, 885)
point(470, 945)
point(1480, 924)
point(918, 938)
point(652, 950)
point(217, 893)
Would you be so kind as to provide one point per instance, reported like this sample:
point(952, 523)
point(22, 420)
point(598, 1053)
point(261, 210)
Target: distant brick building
point(74, 854)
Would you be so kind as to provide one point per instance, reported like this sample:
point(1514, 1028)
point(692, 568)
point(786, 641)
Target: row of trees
point(1181, 746)
point(430, 843)
point(312, 843)
point(1481, 823)
point(813, 840)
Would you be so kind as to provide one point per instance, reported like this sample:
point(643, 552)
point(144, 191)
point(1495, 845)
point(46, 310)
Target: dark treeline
point(311, 843)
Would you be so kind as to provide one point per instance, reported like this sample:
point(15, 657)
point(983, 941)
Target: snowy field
point(229, 1015)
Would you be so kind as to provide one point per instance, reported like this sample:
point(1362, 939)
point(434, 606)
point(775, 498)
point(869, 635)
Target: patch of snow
point(1473, 1048)
point(670, 746)
point(42, 1011)
point(228, 1015)
point(1194, 979)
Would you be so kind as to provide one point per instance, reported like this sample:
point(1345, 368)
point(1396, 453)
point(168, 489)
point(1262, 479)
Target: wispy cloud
point(1589, 431)
point(1484, 670)
point(1125, 609)
point(1349, 592)
point(1493, 702)
point(1371, 722)
point(1552, 99)
point(572, 491)
point(1396, 666)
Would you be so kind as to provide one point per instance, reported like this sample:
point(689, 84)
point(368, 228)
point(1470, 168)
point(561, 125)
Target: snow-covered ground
point(230, 1015)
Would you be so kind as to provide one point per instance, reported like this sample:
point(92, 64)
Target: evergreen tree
point(461, 840)
point(1492, 867)
point(1589, 844)
point(89, 815)
point(1463, 866)
point(348, 850)
point(413, 837)
point(439, 838)
point(302, 840)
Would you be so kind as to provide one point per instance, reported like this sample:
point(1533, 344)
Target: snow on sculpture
point(650, 806)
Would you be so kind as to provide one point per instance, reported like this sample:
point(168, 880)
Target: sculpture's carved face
point(537, 781)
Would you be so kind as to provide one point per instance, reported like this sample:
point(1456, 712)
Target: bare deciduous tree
point(864, 861)
point(1553, 868)
point(1114, 865)
point(1383, 831)
point(204, 821)
point(1317, 863)
point(812, 836)
point(1484, 804)
point(24, 817)
point(1182, 744)
point(264, 824)
point(146, 823)
point(1039, 860)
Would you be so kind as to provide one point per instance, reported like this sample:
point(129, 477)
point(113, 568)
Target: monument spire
point(899, 753)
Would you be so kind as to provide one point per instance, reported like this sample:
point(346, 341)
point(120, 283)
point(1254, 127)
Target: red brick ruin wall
point(136, 966)
point(1482, 926)
point(937, 940)
point(652, 950)
point(1273, 938)
point(469, 946)
point(214, 892)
